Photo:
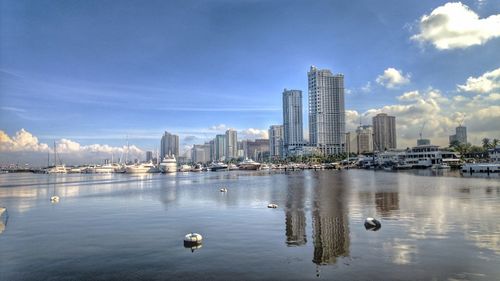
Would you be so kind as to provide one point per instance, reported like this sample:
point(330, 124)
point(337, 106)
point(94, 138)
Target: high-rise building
point(384, 132)
point(364, 139)
point(257, 150)
point(276, 141)
point(220, 147)
point(149, 156)
point(460, 135)
point(326, 111)
point(231, 144)
point(169, 145)
point(293, 135)
point(201, 153)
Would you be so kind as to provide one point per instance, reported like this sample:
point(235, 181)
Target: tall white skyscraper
point(460, 135)
point(276, 142)
point(292, 119)
point(169, 145)
point(384, 132)
point(326, 111)
point(231, 144)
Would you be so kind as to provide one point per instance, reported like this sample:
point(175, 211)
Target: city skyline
point(64, 89)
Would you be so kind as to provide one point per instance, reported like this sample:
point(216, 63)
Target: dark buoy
point(372, 224)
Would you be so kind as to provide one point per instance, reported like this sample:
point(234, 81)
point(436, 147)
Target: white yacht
point(232, 167)
point(104, 169)
point(58, 169)
point(185, 168)
point(142, 168)
point(197, 168)
point(249, 164)
point(440, 166)
point(168, 164)
point(217, 166)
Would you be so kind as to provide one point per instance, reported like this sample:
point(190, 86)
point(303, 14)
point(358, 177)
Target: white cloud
point(25, 142)
point(455, 25)
point(219, 127)
point(252, 133)
point(22, 141)
point(392, 78)
point(485, 83)
point(367, 87)
point(409, 96)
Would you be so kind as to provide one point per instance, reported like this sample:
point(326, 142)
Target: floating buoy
point(193, 239)
point(54, 199)
point(223, 189)
point(2, 210)
point(272, 205)
point(372, 224)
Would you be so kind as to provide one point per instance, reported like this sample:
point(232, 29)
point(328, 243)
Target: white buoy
point(193, 238)
point(223, 189)
point(2, 210)
point(372, 224)
point(272, 205)
point(54, 199)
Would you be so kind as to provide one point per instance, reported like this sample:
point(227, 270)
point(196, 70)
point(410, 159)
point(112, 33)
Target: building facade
point(169, 145)
point(276, 142)
point(149, 156)
point(201, 153)
point(257, 150)
point(293, 134)
point(384, 132)
point(326, 111)
point(231, 144)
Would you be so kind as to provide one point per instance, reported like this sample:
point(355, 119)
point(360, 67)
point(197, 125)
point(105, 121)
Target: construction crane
point(422, 129)
point(461, 121)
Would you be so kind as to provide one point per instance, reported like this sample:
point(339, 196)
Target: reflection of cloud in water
point(401, 251)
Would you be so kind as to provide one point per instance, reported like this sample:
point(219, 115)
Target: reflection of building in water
point(330, 224)
point(386, 203)
point(295, 215)
point(296, 228)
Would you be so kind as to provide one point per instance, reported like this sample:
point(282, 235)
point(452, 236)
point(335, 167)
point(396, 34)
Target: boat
point(104, 169)
point(217, 166)
point(249, 164)
point(185, 168)
point(197, 168)
point(440, 166)
point(265, 167)
point(141, 168)
point(74, 170)
point(57, 169)
point(168, 164)
point(232, 167)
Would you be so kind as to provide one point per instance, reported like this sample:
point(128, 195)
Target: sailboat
point(57, 169)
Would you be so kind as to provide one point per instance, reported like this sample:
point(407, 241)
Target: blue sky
point(95, 71)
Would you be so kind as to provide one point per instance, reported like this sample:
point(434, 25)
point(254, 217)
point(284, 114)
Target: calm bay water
point(123, 227)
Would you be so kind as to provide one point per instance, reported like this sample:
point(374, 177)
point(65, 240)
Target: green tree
point(494, 143)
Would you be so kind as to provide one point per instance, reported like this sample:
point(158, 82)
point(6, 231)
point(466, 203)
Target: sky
point(93, 74)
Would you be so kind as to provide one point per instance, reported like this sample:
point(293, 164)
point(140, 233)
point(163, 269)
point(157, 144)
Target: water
point(123, 227)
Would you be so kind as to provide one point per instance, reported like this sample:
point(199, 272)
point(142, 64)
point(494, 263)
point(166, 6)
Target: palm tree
point(463, 149)
point(494, 143)
point(486, 143)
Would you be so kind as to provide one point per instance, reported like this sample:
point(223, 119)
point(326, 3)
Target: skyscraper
point(460, 135)
point(384, 132)
point(326, 111)
point(220, 147)
point(292, 119)
point(364, 139)
point(169, 145)
point(276, 141)
point(149, 156)
point(231, 144)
